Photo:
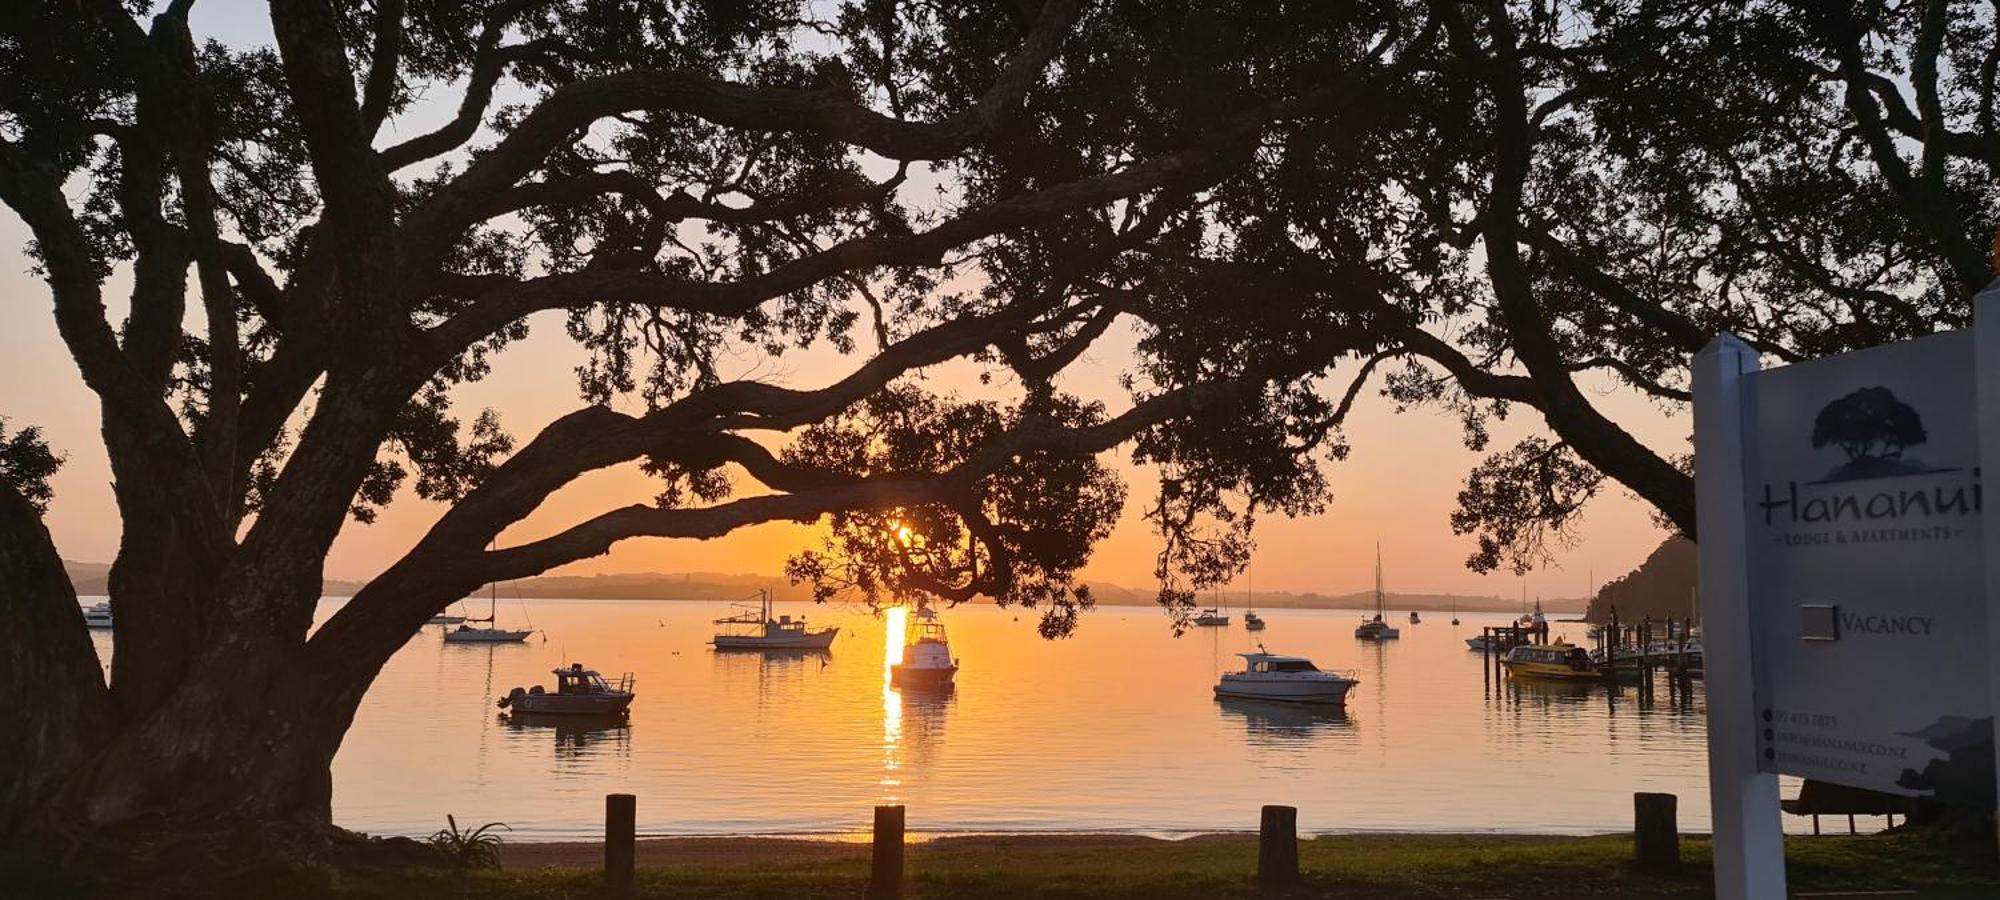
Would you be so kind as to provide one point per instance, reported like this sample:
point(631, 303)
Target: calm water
point(1114, 729)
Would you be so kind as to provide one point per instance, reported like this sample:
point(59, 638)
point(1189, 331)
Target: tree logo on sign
point(1873, 429)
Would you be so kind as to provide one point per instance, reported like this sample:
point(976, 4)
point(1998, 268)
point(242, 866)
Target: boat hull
point(813, 640)
point(486, 636)
point(1550, 672)
point(572, 704)
point(1377, 634)
point(1322, 692)
point(922, 677)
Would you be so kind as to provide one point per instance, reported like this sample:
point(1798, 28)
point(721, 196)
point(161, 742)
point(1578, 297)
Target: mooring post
point(885, 874)
point(1278, 845)
point(1656, 836)
point(620, 817)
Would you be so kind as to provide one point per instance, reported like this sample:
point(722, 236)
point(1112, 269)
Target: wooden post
point(1278, 845)
point(1656, 836)
point(885, 874)
point(620, 816)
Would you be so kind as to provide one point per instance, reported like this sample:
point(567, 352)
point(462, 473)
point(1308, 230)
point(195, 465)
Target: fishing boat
point(1555, 662)
point(579, 692)
point(1377, 628)
point(757, 629)
point(483, 630)
point(1292, 679)
point(927, 663)
point(98, 615)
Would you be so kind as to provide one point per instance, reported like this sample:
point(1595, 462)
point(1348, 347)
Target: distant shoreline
point(720, 588)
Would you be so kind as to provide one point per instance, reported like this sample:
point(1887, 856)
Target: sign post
point(1749, 839)
point(1986, 340)
point(1847, 578)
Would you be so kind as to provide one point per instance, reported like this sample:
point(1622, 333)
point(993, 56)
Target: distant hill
point(1662, 587)
point(716, 587)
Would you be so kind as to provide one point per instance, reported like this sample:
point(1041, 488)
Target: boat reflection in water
point(1271, 723)
point(574, 736)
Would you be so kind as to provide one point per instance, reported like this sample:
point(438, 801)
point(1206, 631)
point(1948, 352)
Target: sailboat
point(1251, 620)
point(1377, 628)
point(485, 631)
point(1214, 616)
point(1454, 609)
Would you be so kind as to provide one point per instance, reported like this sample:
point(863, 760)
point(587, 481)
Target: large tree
point(1568, 200)
point(681, 181)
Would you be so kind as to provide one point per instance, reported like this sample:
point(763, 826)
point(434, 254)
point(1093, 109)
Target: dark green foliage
point(26, 464)
point(472, 848)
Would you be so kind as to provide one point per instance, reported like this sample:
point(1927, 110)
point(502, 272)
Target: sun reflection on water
point(894, 622)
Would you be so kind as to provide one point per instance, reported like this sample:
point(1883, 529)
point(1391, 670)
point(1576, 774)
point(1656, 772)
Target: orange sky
point(1397, 487)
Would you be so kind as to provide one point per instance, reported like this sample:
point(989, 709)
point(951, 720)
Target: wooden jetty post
point(1656, 836)
point(1612, 636)
point(885, 873)
point(1278, 845)
point(620, 817)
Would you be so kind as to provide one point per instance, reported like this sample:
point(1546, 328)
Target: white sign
point(1867, 588)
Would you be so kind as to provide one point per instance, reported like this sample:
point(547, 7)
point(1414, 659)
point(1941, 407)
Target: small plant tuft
point(476, 848)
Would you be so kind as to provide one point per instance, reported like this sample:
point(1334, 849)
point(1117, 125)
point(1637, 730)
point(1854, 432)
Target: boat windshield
point(1286, 665)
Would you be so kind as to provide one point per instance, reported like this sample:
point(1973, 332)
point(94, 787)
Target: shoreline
point(722, 850)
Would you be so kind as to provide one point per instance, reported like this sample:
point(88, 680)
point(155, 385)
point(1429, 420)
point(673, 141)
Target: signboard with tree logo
point(1867, 604)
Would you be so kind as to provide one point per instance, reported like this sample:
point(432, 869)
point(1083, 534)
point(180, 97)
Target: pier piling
point(620, 816)
point(1656, 836)
point(1278, 845)
point(885, 874)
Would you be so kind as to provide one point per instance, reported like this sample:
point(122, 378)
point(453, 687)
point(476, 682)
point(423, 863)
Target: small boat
point(443, 619)
point(483, 631)
point(1377, 628)
point(767, 633)
point(1211, 617)
point(98, 615)
point(1293, 679)
point(579, 692)
point(927, 662)
point(1556, 662)
point(1253, 622)
point(1454, 610)
point(1414, 618)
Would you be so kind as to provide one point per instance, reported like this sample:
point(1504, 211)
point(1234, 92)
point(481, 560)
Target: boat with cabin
point(1291, 679)
point(1211, 618)
point(927, 663)
point(579, 692)
point(1252, 621)
point(1377, 628)
point(757, 629)
point(1559, 661)
point(98, 615)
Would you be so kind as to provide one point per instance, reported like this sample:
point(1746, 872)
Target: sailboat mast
point(1379, 600)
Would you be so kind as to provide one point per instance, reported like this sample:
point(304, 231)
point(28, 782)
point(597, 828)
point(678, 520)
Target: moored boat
point(485, 630)
point(1414, 618)
point(1212, 617)
point(1377, 628)
point(1558, 662)
point(927, 663)
point(1291, 679)
point(579, 692)
point(98, 615)
point(1253, 622)
point(762, 631)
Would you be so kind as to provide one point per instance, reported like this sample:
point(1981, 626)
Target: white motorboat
point(1294, 679)
point(1212, 617)
point(927, 661)
point(579, 692)
point(761, 631)
point(1377, 628)
point(483, 630)
point(98, 615)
